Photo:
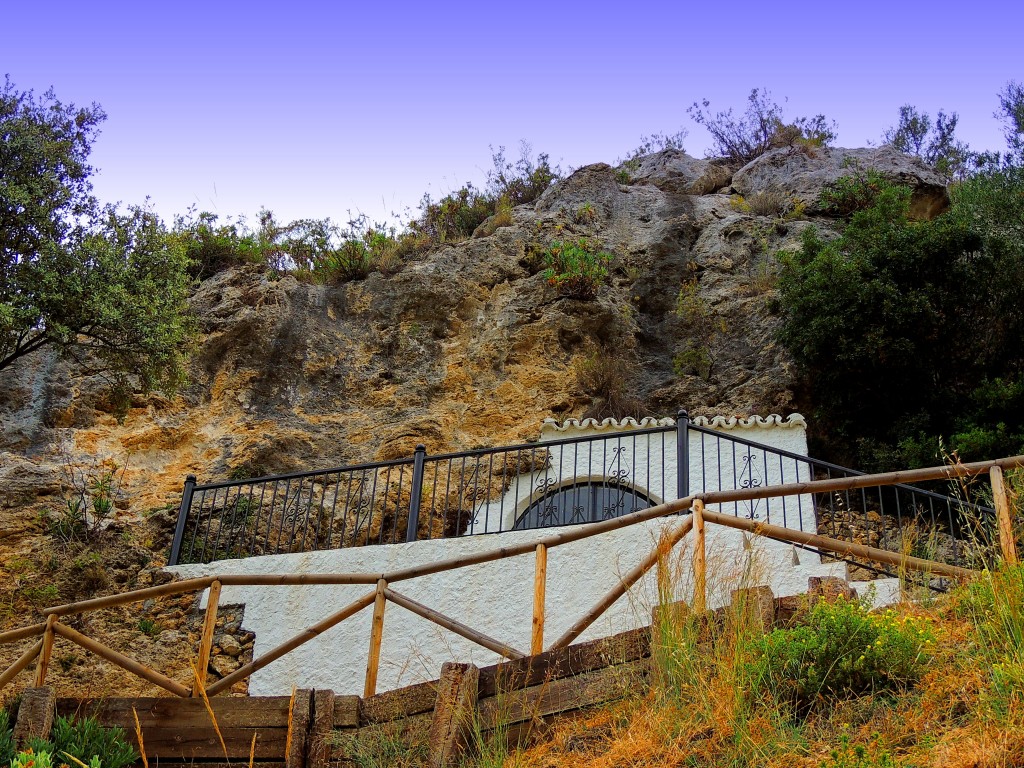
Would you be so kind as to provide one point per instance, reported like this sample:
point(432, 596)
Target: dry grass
point(959, 715)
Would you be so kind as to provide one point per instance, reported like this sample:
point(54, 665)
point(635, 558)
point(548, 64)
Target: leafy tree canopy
point(908, 332)
point(106, 287)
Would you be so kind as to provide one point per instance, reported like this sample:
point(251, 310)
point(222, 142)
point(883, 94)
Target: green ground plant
point(86, 740)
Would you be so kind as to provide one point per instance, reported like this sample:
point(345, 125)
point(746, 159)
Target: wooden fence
point(381, 587)
point(314, 729)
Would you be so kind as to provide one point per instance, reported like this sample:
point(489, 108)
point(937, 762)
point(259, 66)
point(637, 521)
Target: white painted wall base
point(495, 598)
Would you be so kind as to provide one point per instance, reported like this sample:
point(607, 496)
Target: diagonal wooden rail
point(46, 632)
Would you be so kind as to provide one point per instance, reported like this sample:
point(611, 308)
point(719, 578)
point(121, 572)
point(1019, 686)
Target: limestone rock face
point(466, 346)
point(803, 174)
point(674, 169)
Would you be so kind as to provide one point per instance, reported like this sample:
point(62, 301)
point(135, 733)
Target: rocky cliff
point(466, 345)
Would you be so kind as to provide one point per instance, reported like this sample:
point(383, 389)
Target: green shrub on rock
point(576, 268)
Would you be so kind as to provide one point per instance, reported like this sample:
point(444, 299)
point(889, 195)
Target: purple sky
point(314, 109)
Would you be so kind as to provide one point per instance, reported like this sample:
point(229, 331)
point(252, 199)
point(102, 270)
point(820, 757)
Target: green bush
point(854, 192)
point(576, 269)
point(213, 247)
point(457, 215)
point(841, 651)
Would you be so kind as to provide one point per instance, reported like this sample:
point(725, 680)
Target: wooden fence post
point(35, 715)
point(44, 653)
point(453, 714)
point(700, 573)
point(318, 751)
point(376, 635)
point(298, 729)
point(540, 576)
point(1005, 521)
point(206, 640)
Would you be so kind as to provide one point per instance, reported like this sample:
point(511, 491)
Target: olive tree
point(106, 287)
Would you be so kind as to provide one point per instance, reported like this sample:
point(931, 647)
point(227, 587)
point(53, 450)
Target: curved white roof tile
point(550, 425)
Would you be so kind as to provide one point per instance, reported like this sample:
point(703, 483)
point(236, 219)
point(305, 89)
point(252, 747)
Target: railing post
point(179, 529)
point(1003, 518)
point(700, 578)
point(206, 640)
point(540, 576)
point(376, 636)
point(418, 461)
point(44, 653)
point(682, 454)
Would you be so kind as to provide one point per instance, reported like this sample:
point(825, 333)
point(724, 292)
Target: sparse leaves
point(934, 142)
point(761, 127)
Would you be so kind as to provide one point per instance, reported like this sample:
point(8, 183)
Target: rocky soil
point(465, 346)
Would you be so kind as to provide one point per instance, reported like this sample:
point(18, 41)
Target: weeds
point(385, 746)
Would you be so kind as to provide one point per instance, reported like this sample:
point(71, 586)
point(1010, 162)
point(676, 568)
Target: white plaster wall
point(495, 598)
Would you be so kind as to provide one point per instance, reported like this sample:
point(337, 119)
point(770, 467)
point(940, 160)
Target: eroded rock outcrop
point(466, 345)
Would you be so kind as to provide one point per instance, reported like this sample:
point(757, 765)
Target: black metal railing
point(945, 524)
point(556, 482)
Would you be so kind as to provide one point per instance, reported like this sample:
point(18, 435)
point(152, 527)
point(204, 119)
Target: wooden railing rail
point(382, 593)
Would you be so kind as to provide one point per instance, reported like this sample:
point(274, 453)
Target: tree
point(105, 287)
point(906, 332)
point(1011, 113)
point(935, 143)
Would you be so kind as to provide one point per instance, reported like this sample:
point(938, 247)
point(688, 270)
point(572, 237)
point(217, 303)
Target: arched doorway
point(587, 502)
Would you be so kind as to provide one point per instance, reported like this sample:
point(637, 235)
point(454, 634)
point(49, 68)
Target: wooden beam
point(295, 579)
point(146, 673)
point(454, 626)
point(376, 636)
point(44, 653)
point(452, 722)
point(598, 686)
point(1007, 544)
point(700, 572)
point(507, 676)
point(858, 481)
point(290, 645)
point(835, 545)
point(206, 639)
point(14, 635)
point(171, 588)
point(631, 578)
point(21, 663)
point(540, 579)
